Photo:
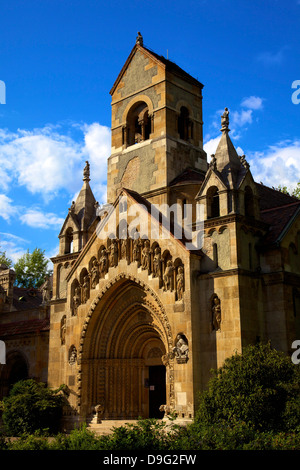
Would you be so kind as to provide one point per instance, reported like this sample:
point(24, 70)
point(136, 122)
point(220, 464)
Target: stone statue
point(146, 255)
point(139, 39)
point(46, 291)
point(113, 256)
point(86, 289)
point(103, 263)
point(94, 274)
point(99, 410)
point(76, 299)
point(157, 262)
point(216, 314)
point(73, 356)
point(225, 119)
point(72, 208)
point(124, 244)
point(181, 349)
point(63, 330)
point(168, 275)
point(136, 251)
point(180, 283)
point(86, 172)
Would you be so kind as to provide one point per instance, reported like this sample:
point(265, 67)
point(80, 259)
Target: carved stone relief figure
point(72, 355)
point(94, 274)
point(157, 262)
point(86, 289)
point(113, 253)
point(103, 263)
point(181, 349)
point(168, 275)
point(216, 313)
point(136, 251)
point(46, 291)
point(124, 244)
point(76, 299)
point(146, 255)
point(180, 283)
point(63, 330)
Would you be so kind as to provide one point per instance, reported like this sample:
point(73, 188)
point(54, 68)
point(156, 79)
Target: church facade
point(186, 264)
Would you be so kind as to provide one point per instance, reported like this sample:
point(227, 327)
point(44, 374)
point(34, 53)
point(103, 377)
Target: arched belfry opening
point(138, 124)
point(123, 346)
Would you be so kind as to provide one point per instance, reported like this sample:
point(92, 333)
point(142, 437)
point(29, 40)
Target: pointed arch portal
point(124, 341)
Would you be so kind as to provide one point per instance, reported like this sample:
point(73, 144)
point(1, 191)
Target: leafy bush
point(31, 406)
point(259, 388)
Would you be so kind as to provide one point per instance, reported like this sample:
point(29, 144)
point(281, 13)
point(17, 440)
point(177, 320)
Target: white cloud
point(272, 58)
point(241, 118)
point(13, 245)
point(46, 161)
point(7, 208)
point(252, 102)
point(211, 145)
point(279, 165)
point(37, 219)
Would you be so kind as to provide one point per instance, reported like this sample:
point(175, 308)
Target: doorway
point(157, 390)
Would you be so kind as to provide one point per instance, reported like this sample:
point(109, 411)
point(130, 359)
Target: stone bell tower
point(156, 126)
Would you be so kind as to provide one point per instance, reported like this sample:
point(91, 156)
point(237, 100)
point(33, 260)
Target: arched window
point(249, 202)
point(138, 125)
point(185, 127)
point(69, 241)
point(213, 203)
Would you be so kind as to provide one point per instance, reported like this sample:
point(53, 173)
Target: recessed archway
point(123, 344)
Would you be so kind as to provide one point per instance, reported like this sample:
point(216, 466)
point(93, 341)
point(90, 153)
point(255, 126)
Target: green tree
point(32, 269)
point(4, 259)
point(259, 387)
point(31, 407)
point(295, 192)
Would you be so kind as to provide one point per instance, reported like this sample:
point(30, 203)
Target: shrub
point(259, 387)
point(31, 406)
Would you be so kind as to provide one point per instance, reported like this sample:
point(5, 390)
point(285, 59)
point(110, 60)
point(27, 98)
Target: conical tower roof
point(226, 160)
point(84, 208)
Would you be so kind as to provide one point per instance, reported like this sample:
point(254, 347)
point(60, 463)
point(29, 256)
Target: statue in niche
point(180, 283)
point(86, 289)
point(146, 255)
point(94, 274)
point(168, 275)
point(76, 299)
point(136, 251)
point(73, 356)
point(63, 330)
point(103, 263)
point(113, 253)
point(124, 244)
point(216, 313)
point(157, 262)
point(181, 349)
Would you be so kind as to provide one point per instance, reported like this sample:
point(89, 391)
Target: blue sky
point(60, 58)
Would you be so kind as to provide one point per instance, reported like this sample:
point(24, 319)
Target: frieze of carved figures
point(72, 356)
point(103, 262)
point(216, 313)
point(181, 349)
point(76, 299)
point(94, 274)
point(168, 274)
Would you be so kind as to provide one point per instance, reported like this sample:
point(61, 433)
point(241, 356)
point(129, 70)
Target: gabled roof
point(24, 327)
point(167, 64)
point(279, 220)
point(188, 176)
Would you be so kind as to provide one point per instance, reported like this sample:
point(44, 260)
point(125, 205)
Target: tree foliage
point(31, 407)
point(295, 192)
point(4, 259)
point(31, 269)
point(259, 387)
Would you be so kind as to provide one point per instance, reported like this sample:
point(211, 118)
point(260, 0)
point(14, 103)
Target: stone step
point(106, 426)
